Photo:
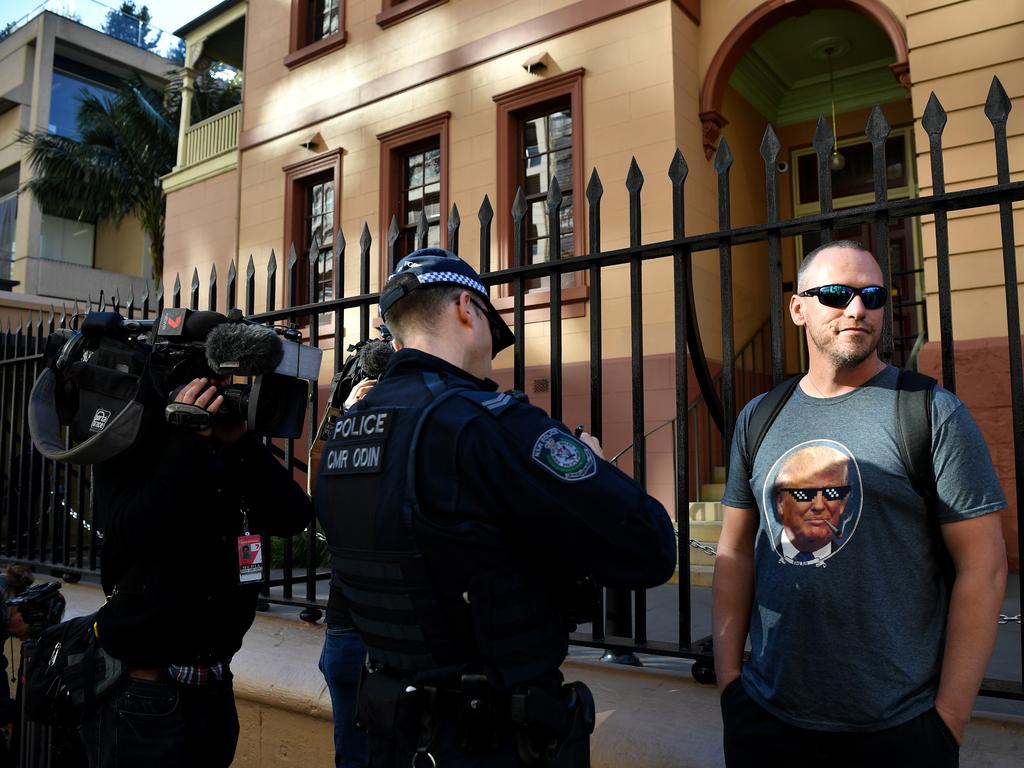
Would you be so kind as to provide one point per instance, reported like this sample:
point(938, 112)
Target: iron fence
point(46, 509)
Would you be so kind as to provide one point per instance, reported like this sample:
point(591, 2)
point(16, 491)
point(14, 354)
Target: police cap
point(436, 266)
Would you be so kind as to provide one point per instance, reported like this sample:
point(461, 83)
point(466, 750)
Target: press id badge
point(250, 558)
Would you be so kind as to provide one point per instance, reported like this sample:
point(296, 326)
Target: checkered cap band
point(452, 277)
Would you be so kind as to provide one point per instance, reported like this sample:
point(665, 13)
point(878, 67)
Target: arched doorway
point(787, 64)
point(772, 14)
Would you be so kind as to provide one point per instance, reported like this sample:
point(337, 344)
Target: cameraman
point(172, 509)
point(458, 518)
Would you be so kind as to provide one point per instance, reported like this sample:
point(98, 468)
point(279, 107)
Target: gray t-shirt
point(849, 613)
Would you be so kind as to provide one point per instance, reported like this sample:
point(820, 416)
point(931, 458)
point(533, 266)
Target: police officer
point(459, 518)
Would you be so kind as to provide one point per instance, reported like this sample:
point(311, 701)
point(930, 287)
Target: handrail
point(697, 401)
point(211, 137)
point(214, 118)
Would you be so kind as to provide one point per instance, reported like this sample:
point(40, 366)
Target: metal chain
point(703, 548)
point(1004, 619)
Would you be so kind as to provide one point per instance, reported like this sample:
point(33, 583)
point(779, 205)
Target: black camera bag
point(104, 384)
point(67, 670)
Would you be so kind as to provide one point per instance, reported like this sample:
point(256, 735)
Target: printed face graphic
point(811, 493)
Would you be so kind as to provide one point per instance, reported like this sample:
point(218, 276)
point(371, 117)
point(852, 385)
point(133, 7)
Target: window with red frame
point(545, 152)
point(318, 227)
point(312, 213)
point(413, 164)
point(317, 28)
point(540, 136)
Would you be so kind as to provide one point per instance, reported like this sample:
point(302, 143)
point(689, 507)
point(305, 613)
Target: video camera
point(99, 380)
point(41, 606)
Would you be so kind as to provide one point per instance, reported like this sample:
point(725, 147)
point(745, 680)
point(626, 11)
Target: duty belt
point(550, 729)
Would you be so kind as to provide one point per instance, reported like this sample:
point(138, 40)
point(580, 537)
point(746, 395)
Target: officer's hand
point(359, 392)
point(593, 443)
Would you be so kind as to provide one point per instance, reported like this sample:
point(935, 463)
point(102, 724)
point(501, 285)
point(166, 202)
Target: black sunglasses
point(840, 296)
point(832, 493)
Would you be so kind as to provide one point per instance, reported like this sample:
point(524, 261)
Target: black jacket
point(503, 491)
point(170, 512)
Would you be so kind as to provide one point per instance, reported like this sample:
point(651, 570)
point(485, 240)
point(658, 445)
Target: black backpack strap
point(764, 415)
point(914, 392)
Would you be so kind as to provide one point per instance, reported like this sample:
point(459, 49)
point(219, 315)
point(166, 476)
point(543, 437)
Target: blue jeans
point(341, 662)
point(162, 725)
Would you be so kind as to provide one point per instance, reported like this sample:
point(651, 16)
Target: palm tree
point(128, 141)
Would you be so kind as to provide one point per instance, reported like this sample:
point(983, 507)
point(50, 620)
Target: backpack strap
point(764, 415)
point(914, 393)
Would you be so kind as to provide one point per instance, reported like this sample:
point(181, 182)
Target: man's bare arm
point(979, 554)
point(733, 591)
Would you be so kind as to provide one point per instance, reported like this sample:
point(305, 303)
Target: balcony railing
point(211, 137)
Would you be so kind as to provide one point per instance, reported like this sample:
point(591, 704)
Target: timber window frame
point(303, 43)
point(395, 147)
point(396, 11)
point(514, 108)
point(300, 177)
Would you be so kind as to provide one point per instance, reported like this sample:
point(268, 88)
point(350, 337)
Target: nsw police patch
point(564, 456)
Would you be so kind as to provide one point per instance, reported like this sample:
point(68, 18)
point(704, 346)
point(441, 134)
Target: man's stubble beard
point(843, 358)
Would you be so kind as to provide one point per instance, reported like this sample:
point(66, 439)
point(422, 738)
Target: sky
point(168, 15)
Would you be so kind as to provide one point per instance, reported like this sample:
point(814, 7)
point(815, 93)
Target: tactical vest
point(421, 620)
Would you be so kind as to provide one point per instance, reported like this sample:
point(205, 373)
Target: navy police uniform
point(460, 522)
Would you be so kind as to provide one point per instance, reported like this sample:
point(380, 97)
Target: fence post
point(723, 162)
point(677, 173)
point(997, 110)
point(519, 209)
point(554, 206)
point(454, 222)
point(595, 190)
point(877, 132)
point(485, 216)
point(770, 148)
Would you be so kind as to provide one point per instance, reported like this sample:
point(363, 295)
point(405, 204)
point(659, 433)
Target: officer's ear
point(464, 308)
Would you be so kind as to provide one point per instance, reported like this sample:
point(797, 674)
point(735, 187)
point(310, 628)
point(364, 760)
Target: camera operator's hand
point(359, 392)
point(203, 394)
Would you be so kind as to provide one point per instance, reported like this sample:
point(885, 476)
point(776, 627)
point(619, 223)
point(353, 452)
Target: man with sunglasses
point(461, 520)
point(867, 656)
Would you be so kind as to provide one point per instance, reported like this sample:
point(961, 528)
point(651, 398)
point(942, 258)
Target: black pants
point(753, 737)
point(148, 724)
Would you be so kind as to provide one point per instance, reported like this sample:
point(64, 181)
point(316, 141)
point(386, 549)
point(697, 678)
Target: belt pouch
point(390, 709)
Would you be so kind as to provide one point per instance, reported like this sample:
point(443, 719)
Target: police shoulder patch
point(565, 457)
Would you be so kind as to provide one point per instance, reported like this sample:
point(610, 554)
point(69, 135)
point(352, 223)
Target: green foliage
point(300, 547)
point(177, 53)
point(128, 142)
point(7, 30)
point(131, 25)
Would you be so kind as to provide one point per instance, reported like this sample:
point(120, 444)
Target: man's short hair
point(810, 257)
point(420, 309)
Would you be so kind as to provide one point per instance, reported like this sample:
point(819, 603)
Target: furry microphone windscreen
point(373, 357)
point(243, 349)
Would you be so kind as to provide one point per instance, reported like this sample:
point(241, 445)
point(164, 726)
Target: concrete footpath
point(651, 717)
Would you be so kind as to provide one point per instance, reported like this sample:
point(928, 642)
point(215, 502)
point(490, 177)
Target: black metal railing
point(38, 498)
